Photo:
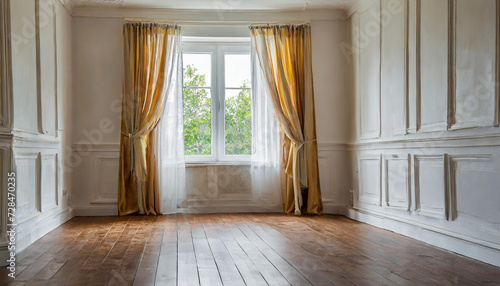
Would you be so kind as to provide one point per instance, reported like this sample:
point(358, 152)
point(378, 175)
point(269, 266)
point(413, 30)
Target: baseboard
point(27, 236)
point(333, 209)
point(113, 211)
point(102, 210)
point(327, 209)
point(232, 209)
point(4, 255)
point(436, 237)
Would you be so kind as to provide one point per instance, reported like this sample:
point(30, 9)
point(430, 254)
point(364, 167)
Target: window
point(217, 102)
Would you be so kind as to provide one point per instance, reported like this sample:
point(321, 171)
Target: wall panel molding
point(472, 76)
point(497, 89)
point(27, 168)
point(324, 163)
point(49, 182)
point(34, 141)
point(243, 17)
point(398, 177)
point(5, 69)
point(323, 146)
point(46, 80)
point(433, 65)
point(406, 123)
point(370, 187)
point(454, 161)
point(369, 71)
point(438, 180)
point(394, 68)
point(435, 201)
point(418, 66)
point(103, 192)
point(29, 140)
point(412, 64)
point(437, 141)
point(452, 43)
point(5, 122)
point(5, 168)
point(106, 147)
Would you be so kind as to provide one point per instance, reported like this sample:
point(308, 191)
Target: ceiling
point(237, 5)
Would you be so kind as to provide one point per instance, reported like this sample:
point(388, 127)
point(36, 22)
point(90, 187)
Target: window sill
point(218, 163)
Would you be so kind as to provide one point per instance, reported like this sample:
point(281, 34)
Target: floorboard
point(238, 249)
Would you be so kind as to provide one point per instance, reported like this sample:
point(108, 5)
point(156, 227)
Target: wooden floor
point(238, 249)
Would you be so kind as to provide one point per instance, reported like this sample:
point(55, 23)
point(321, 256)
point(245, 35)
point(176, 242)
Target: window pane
point(238, 122)
point(197, 69)
point(197, 121)
point(237, 70)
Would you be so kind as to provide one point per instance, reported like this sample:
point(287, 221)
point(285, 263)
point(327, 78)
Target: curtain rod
point(281, 23)
point(216, 23)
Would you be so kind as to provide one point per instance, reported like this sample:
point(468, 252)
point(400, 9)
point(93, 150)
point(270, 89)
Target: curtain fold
point(284, 53)
point(265, 168)
point(149, 55)
point(171, 147)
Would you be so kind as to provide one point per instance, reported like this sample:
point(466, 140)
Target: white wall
point(405, 118)
point(64, 24)
point(332, 104)
point(34, 118)
point(426, 150)
point(98, 70)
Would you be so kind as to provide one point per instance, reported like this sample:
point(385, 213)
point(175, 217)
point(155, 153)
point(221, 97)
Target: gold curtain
point(149, 50)
point(284, 53)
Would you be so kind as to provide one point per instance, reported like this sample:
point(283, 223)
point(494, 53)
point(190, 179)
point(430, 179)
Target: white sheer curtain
point(171, 154)
point(265, 167)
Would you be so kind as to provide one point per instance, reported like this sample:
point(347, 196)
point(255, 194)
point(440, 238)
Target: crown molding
point(358, 6)
point(68, 4)
point(242, 16)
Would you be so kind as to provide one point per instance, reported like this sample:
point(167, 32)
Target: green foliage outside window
point(238, 117)
point(198, 117)
point(197, 114)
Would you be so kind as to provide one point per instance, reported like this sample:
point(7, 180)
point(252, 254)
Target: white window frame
point(217, 92)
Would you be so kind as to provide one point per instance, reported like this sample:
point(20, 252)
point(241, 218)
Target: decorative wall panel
point(369, 62)
point(3, 194)
point(397, 181)
point(394, 69)
point(28, 184)
point(325, 177)
point(477, 175)
point(497, 102)
point(413, 63)
point(5, 71)
point(28, 114)
point(369, 179)
point(49, 182)
point(432, 96)
point(105, 179)
point(431, 193)
point(46, 28)
point(24, 67)
point(475, 58)
point(443, 193)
